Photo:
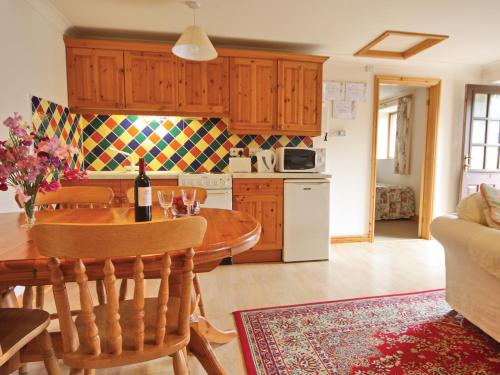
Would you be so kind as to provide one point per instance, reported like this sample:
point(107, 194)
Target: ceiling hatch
point(399, 44)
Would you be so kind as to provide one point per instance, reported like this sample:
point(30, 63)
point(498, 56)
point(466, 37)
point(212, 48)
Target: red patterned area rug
point(410, 334)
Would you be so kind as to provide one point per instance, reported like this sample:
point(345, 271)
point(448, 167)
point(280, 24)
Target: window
point(485, 131)
point(386, 140)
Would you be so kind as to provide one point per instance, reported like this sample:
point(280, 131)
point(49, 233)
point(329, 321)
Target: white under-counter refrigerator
point(306, 223)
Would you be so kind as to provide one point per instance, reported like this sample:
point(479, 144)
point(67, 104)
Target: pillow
point(492, 198)
point(471, 208)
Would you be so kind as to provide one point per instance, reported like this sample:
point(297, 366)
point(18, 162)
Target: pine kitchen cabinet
point(253, 95)
point(150, 81)
point(262, 92)
point(204, 87)
point(262, 199)
point(299, 97)
point(95, 79)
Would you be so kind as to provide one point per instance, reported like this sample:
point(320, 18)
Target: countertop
point(156, 175)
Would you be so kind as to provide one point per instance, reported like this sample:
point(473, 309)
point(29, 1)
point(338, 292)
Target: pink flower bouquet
point(32, 163)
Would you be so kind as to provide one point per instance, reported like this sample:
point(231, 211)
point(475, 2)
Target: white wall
point(385, 167)
point(349, 157)
point(32, 63)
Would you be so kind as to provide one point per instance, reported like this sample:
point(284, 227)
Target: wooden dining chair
point(69, 198)
point(130, 331)
point(201, 196)
point(18, 328)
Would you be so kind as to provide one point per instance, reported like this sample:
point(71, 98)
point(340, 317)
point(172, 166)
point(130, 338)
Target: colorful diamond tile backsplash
point(62, 123)
point(168, 143)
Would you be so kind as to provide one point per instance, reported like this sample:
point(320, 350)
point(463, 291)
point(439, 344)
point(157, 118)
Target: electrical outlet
point(235, 152)
point(253, 151)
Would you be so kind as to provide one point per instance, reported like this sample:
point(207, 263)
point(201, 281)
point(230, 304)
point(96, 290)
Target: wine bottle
point(142, 195)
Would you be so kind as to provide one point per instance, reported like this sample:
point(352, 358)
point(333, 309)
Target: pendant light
point(194, 44)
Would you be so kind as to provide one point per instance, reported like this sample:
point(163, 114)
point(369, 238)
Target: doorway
point(403, 157)
point(481, 139)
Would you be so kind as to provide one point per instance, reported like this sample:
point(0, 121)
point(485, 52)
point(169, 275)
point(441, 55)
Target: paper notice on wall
point(334, 90)
point(344, 109)
point(355, 91)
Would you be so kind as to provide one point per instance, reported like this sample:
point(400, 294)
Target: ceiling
point(330, 27)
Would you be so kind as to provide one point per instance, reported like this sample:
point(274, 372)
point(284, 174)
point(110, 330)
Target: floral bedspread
point(394, 202)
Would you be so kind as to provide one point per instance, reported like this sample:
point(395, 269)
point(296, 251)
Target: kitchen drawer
point(257, 186)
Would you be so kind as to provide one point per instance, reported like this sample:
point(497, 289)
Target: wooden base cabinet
point(263, 199)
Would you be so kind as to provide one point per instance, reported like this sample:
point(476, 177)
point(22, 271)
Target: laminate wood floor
point(355, 270)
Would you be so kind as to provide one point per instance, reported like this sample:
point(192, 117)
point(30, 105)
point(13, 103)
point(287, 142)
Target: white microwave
point(297, 159)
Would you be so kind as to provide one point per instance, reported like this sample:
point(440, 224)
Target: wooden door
point(253, 95)
point(481, 158)
point(150, 81)
point(299, 97)
point(204, 86)
point(95, 78)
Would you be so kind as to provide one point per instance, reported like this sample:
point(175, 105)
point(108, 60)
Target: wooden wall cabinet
point(95, 78)
point(150, 81)
point(262, 92)
point(204, 86)
point(263, 199)
point(300, 97)
point(253, 95)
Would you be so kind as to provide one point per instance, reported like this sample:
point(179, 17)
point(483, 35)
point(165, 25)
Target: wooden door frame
point(433, 87)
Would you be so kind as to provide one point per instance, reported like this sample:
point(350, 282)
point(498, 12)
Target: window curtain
point(403, 137)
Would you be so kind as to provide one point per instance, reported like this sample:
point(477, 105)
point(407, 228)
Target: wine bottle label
point(144, 196)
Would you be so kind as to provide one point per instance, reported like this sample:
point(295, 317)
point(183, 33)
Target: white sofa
point(472, 253)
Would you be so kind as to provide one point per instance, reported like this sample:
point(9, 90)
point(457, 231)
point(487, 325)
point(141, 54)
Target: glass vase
point(29, 212)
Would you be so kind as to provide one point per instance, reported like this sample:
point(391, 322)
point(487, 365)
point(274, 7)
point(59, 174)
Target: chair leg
point(101, 294)
point(180, 364)
point(89, 372)
point(197, 290)
point(75, 371)
point(48, 355)
point(123, 290)
point(28, 297)
point(40, 297)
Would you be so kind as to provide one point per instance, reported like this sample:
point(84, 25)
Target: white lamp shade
point(194, 45)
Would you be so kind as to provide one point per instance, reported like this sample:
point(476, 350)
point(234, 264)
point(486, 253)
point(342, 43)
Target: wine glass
point(188, 198)
point(166, 200)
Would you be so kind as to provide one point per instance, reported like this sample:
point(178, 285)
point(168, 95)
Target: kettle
point(266, 161)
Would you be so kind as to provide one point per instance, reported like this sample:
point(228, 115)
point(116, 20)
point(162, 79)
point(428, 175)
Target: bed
point(394, 202)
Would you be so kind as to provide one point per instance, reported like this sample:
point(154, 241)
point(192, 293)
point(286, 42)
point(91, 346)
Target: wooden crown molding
point(429, 41)
point(146, 46)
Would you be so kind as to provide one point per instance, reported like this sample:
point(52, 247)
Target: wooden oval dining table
point(228, 233)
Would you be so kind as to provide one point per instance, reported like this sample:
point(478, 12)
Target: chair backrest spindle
point(163, 292)
point(112, 306)
point(139, 303)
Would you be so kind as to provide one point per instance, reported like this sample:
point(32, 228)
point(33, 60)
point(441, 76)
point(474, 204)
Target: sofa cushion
point(492, 211)
point(471, 208)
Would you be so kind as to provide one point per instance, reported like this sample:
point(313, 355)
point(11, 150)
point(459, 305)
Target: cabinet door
point(253, 95)
point(150, 81)
point(267, 209)
point(204, 86)
point(299, 97)
point(95, 78)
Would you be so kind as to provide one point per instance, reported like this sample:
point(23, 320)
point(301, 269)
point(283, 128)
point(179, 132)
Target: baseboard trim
point(258, 256)
point(349, 239)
